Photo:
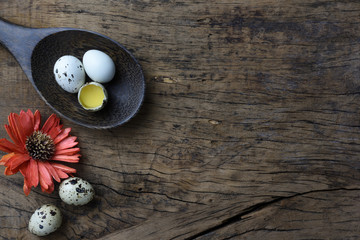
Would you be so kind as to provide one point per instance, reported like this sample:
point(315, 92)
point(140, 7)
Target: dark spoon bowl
point(37, 50)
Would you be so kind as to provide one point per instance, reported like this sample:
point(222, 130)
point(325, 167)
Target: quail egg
point(76, 191)
point(99, 66)
point(45, 220)
point(92, 96)
point(69, 73)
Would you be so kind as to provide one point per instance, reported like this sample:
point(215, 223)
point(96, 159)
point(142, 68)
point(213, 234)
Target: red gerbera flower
point(34, 151)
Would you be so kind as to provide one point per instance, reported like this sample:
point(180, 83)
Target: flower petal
point(68, 142)
point(26, 188)
point(9, 172)
point(7, 146)
point(37, 120)
point(16, 160)
point(11, 132)
point(26, 123)
point(50, 188)
point(69, 151)
point(51, 122)
point(61, 173)
point(22, 167)
point(54, 131)
point(32, 173)
point(6, 158)
point(66, 158)
point(45, 178)
point(31, 115)
point(63, 168)
point(52, 171)
point(64, 133)
point(43, 184)
point(15, 125)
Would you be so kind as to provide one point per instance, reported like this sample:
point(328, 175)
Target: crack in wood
point(258, 207)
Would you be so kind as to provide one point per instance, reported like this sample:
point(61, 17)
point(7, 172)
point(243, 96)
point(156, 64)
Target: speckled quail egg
point(45, 220)
point(76, 191)
point(92, 96)
point(99, 66)
point(69, 73)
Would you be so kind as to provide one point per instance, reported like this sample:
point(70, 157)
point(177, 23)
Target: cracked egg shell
point(76, 191)
point(45, 220)
point(92, 96)
point(69, 73)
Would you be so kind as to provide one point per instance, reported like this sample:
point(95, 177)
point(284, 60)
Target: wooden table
point(249, 129)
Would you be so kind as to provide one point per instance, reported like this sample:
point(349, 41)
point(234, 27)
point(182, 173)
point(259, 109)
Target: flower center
point(40, 146)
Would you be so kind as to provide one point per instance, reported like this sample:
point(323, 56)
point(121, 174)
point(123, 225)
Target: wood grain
point(250, 122)
point(316, 213)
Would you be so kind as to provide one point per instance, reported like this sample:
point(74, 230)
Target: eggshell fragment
point(69, 73)
point(99, 66)
point(45, 220)
point(76, 191)
point(92, 96)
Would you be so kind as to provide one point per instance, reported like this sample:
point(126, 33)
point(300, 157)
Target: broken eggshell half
point(92, 96)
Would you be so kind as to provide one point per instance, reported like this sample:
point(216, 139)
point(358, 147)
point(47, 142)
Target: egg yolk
point(91, 96)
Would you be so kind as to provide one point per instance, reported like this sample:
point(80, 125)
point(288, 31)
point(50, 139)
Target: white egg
point(76, 191)
point(45, 220)
point(99, 66)
point(69, 73)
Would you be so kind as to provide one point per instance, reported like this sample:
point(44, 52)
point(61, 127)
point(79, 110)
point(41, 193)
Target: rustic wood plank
point(246, 102)
point(315, 214)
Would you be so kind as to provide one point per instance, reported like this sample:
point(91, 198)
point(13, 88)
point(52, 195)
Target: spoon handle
point(21, 41)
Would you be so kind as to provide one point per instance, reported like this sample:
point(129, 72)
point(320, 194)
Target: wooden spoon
point(37, 49)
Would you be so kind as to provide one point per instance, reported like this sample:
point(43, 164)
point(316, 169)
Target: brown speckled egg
point(69, 73)
point(76, 191)
point(45, 220)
